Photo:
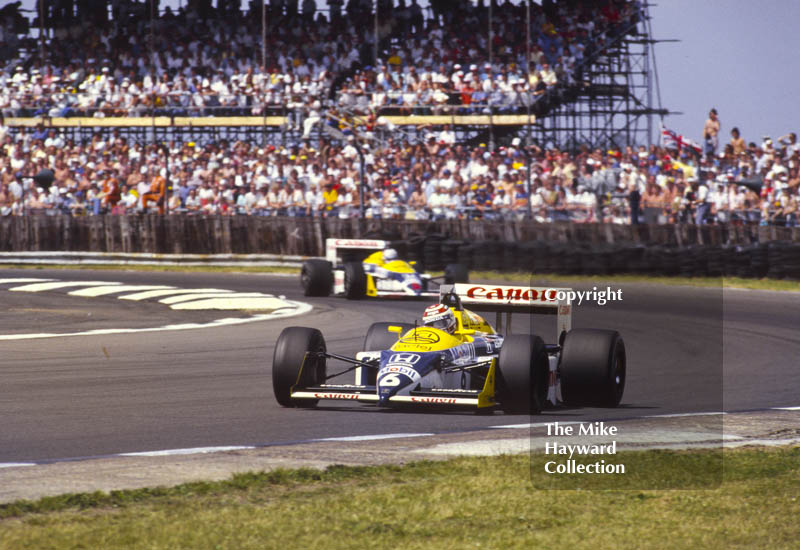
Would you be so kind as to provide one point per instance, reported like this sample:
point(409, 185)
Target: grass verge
point(539, 278)
point(460, 503)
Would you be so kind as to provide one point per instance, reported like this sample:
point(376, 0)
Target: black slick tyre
point(316, 277)
point(379, 338)
point(290, 351)
point(456, 273)
point(355, 281)
point(593, 368)
point(523, 374)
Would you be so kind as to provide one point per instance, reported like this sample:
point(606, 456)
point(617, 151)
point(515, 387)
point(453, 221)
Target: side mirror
point(412, 262)
point(397, 330)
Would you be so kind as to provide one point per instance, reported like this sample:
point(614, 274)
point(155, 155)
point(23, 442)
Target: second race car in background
point(358, 268)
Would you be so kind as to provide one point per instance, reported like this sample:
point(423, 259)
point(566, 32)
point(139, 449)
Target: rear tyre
point(456, 273)
point(523, 374)
point(380, 339)
point(316, 277)
point(355, 281)
point(593, 367)
point(290, 350)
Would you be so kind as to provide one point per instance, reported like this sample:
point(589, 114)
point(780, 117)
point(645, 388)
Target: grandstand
point(503, 110)
point(584, 83)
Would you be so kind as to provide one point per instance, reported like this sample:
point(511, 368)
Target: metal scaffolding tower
point(610, 103)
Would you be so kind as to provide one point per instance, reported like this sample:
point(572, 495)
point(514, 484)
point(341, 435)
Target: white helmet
point(439, 316)
point(389, 255)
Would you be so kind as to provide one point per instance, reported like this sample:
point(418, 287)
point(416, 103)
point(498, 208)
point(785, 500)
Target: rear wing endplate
point(332, 245)
point(500, 299)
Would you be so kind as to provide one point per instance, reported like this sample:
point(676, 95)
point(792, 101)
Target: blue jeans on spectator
point(701, 214)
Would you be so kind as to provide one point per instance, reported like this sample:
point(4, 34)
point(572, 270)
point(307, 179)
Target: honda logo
point(407, 358)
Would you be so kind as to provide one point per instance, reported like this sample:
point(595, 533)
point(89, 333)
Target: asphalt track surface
point(689, 350)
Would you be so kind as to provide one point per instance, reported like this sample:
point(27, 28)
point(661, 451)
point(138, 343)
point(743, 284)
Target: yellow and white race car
point(457, 359)
point(358, 268)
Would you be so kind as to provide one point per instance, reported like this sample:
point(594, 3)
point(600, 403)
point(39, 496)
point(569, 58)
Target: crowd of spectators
point(200, 61)
point(212, 61)
point(437, 178)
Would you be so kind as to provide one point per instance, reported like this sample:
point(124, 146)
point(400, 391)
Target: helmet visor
point(442, 323)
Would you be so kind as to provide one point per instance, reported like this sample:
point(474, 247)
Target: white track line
point(533, 425)
point(372, 437)
point(39, 287)
point(292, 308)
point(158, 293)
point(786, 409)
point(93, 292)
point(25, 280)
point(680, 415)
point(177, 299)
point(191, 451)
point(233, 303)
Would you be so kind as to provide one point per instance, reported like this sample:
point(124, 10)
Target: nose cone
point(413, 284)
point(390, 384)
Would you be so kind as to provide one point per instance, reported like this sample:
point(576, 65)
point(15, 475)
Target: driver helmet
point(389, 255)
point(439, 316)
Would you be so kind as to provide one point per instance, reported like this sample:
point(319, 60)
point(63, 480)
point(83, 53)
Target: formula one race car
point(356, 268)
point(456, 358)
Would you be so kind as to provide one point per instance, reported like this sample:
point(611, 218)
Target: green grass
point(461, 503)
point(538, 278)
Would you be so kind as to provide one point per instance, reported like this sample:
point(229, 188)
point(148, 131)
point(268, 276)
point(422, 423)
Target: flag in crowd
point(670, 139)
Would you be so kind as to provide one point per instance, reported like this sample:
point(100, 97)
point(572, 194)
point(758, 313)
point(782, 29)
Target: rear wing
point(333, 245)
point(499, 299)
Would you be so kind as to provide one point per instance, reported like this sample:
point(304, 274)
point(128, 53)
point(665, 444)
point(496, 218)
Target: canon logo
point(511, 294)
point(447, 400)
point(336, 395)
point(344, 243)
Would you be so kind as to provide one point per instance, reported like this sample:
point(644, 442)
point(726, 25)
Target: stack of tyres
point(466, 253)
point(508, 261)
point(537, 256)
point(759, 261)
point(742, 262)
point(450, 252)
point(432, 253)
point(700, 259)
point(729, 261)
point(776, 260)
point(595, 261)
point(715, 262)
point(792, 265)
point(487, 254)
point(686, 266)
point(414, 251)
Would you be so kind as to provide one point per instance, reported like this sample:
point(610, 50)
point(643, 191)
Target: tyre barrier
point(776, 260)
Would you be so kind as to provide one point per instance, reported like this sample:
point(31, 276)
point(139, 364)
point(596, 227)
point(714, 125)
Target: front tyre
point(522, 374)
point(290, 351)
point(593, 367)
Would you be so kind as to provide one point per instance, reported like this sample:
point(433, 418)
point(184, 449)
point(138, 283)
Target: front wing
point(480, 399)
